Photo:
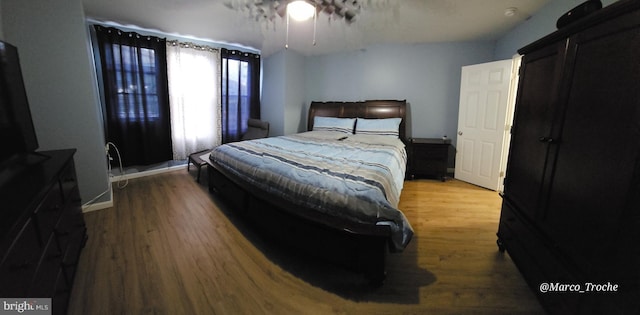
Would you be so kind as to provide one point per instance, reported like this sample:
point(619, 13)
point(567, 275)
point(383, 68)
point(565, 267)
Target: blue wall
point(273, 92)
point(538, 26)
point(283, 96)
point(426, 75)
point(54, 49)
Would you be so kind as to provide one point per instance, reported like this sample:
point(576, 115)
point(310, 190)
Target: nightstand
point(428, 157)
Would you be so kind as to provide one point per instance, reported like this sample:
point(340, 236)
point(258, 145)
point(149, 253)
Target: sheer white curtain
point(194, 97)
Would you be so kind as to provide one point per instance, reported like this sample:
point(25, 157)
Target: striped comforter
point(358, 178)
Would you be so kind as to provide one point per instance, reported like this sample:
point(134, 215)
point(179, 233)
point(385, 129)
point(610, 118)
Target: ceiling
point(395, 21)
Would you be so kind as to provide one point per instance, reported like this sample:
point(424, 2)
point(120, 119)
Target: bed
point(332, 191)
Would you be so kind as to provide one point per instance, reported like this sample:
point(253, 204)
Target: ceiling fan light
point(300, 10)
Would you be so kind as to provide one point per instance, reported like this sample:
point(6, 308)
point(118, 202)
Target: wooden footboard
point(358, 251)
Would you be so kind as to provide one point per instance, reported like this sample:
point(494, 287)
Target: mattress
point(356, 177)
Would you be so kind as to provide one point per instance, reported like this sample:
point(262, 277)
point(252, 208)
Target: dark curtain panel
point(136, 105)
point(240, 92)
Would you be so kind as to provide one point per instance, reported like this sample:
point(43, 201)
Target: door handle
point(547, 140)
point(459, 133)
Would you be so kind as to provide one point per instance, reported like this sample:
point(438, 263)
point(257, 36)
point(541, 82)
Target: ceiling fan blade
point(281, 10)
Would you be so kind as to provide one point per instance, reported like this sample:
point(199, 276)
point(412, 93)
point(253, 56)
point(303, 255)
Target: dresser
point(570, 215)
point(428, 157)
point(42, 228)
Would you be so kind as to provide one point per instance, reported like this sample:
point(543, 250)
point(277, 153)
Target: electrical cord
point(122, 172)
point(96, 198)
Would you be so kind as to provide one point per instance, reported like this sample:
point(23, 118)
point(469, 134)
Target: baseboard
point(117, 178)
point(99, 205)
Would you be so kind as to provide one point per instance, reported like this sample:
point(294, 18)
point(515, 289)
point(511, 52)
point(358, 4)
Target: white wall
point(53, 45)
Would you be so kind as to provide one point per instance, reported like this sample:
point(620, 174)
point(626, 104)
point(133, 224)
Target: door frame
point(511, 106)
point(499, 158)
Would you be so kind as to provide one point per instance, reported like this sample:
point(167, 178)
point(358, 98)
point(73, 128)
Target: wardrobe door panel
point(533, 118)
point(599, 144)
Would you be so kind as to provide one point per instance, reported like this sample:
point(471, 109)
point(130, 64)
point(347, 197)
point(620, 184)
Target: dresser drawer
point(48, 270)
point(71, 223)
point(533, 242)
point(20, 263)
point(430, 166)
point(48, 213)
point(44, 231)
point(430, 152)
point(69, 183)
point(537, 262)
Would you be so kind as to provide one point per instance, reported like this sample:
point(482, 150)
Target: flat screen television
point(17, 134)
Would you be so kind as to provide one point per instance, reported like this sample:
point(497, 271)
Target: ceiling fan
point(267, 10)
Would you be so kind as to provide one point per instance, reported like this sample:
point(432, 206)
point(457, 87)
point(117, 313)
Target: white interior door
point(511, 104)
point(484, 95)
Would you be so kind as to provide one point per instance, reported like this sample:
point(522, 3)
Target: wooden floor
point(169, 247)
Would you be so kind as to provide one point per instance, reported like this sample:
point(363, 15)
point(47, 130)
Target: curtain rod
point(191, 45)
point(174, 36)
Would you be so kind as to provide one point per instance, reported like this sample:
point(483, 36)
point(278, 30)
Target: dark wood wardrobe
point(571, 205)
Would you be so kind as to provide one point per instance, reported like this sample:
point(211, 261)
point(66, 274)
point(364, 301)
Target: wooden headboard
point(366, 109)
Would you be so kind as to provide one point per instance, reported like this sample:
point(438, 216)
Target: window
point(134, 86)
point(240, 92)
point(137, 94)
point(194, 94)
point(237, 93)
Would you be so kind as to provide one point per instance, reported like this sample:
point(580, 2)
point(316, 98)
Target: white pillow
point(381, 127)
point(333, 124)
